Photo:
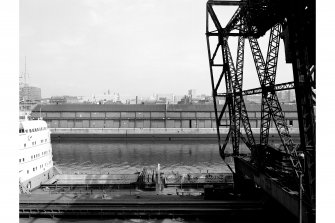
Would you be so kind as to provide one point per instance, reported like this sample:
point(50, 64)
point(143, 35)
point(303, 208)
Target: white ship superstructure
point(35, 153)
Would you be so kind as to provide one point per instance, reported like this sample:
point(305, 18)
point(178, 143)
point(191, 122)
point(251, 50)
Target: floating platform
point(130, 203)
point(198, 179)
point(146, 179)
point(92, 181)
point(148, 193)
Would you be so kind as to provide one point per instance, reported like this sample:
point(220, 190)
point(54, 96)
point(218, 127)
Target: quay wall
point(152, 133)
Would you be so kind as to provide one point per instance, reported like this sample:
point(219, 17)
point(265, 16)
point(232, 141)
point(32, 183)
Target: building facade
point(28, 93)
point(144, 116)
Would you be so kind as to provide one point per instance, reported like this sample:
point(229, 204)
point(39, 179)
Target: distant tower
point(24, 87)
point(192, 93)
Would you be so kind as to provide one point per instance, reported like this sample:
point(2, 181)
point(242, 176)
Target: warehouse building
point(144, 115)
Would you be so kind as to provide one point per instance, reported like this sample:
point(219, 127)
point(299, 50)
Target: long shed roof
point(139, 108)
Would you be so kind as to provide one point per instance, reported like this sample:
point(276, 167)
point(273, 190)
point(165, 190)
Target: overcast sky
point(85, 47)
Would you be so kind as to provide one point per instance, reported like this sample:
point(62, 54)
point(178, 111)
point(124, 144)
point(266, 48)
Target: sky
point(134, 48)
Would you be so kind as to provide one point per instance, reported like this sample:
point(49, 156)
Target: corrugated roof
point(181, 107)
point(139, 108)
point(98, 108)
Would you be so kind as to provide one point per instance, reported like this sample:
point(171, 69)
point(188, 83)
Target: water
point(121, 157)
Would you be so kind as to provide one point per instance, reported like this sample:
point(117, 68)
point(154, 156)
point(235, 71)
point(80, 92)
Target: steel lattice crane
point(294, 22)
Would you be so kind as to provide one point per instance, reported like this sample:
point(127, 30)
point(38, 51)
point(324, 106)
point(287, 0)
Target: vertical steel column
point(209, 10)
point(297, 23)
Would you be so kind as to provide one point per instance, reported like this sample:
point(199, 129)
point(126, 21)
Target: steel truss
point(271, 108)
point(298, 21)
point(233, 82)
point(277, 87)
point(266, 71)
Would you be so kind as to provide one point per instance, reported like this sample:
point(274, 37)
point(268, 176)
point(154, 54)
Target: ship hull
point(36, 181)
point(34, 155)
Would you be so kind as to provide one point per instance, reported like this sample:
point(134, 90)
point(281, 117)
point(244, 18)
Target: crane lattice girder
point(272, 56)
point(265, 121)
point(267, 79)
point(270, 103)
point(277, 87)
point(282, 128)
point(235, 105)
point(238, 112)
point(247, 126)
point(280, 122)
point(241, 114)
point(264, 79)
point(258, 58)
point(239, 65)
point(233, 79)
point(230, 109)
point(258, 17)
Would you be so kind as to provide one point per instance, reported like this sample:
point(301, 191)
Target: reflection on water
point(122, 157)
